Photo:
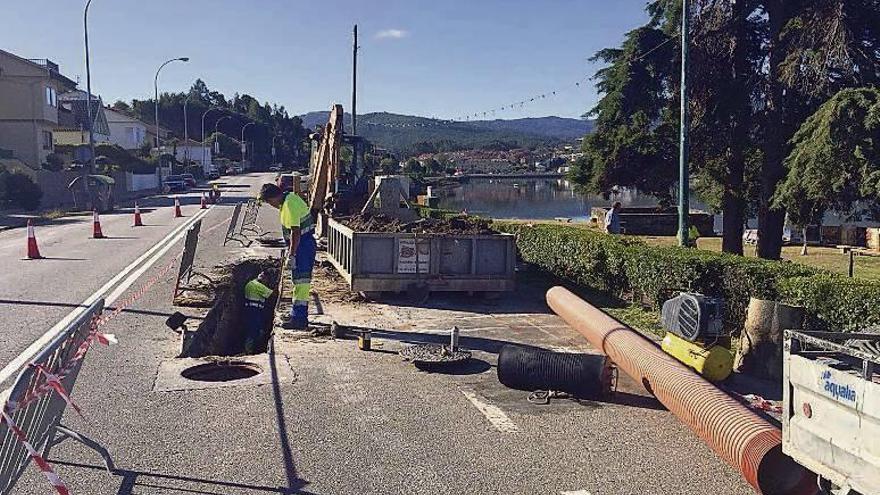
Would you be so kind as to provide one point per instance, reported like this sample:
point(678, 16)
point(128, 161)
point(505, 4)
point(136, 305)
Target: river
point(535, 199)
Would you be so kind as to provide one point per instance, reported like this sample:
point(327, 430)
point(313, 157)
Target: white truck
point(831, 408)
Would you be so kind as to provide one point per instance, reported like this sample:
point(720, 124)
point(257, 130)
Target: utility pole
point(354, 79)
point(683, 169)
point(89, 91)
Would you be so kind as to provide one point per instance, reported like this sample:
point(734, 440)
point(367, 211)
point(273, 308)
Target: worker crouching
point(256, 314)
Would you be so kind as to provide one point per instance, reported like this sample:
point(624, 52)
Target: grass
point(53, 214)
point(831, 259)
point(644, 320)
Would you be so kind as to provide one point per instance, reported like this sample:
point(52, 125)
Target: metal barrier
point(231, 234)
point(37, 411)
point(250, 223)
point(187, 259)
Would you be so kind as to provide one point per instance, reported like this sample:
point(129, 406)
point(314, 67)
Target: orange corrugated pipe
point(739, 436)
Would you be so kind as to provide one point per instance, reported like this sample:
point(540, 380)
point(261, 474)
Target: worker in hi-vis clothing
point(256, 292)
point(298, 225)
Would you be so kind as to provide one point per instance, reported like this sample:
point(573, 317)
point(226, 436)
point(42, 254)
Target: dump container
point(395, 262)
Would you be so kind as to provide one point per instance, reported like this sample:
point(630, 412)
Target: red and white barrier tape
point(53, 381)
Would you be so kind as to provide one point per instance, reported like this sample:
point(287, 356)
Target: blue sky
point(440, 58)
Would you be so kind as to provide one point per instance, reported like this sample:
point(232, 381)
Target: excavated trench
point(223, 330)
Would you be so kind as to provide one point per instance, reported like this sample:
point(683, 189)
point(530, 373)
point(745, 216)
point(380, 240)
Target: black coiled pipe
point(586, 376)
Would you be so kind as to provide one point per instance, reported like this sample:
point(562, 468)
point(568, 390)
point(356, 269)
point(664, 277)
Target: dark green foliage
point(627, 267)
point(272, 121)
point(835, 302)
point(54, 162)
point(119, 158)
point(19, 191)
point(835, 158)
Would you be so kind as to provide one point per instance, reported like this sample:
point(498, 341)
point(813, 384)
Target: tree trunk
point(760, 346)
point(733, 221)
point(772, 221)
point(804, 239)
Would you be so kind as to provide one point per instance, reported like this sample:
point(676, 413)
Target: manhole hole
point(221, 372)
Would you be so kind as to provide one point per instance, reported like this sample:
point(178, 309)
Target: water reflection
point(534, 199)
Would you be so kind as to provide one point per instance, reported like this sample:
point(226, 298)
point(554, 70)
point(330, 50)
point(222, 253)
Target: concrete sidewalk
point(330, 419)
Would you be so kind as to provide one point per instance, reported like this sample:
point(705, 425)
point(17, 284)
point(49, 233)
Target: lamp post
point(204, 149)
point(89, 88)
point(683, 169)
point(243, 147)
point(273, 150)
point(216, 124)
point(185, 134)
point(156, 88)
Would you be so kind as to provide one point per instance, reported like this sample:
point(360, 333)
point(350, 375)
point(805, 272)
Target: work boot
point(295, 325)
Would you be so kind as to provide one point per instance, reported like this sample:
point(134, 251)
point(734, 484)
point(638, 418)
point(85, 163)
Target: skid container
point(395, 262)
point(831, 408)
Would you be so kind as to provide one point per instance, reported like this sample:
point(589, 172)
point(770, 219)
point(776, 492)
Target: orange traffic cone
point(33, 252)
point(96, 226)
point(137, 216)
point(204, 202)
point(177, 213)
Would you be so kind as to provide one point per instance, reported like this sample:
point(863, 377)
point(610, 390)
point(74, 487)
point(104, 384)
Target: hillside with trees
point(410, 135)
point(271, 120)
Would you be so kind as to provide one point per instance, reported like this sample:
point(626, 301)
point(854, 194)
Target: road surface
point(35, 295)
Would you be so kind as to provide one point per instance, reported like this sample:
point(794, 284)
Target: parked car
point(213, 174)
point(189, 179)
point(275, 168)
point(236, 169)
point(173, 183)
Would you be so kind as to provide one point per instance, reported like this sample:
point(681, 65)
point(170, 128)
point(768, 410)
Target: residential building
point(29, 103)
point(196, 153)
point(73, 119)
point(164, 133)
point(125, 131)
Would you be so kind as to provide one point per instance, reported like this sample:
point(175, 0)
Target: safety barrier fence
point(33, 407)
point(231, 234)
point(187, 259)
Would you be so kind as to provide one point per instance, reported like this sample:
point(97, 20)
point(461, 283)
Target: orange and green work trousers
point(301, 272)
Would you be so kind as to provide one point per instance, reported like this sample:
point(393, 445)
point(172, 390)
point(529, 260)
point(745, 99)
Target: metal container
point(395, 262)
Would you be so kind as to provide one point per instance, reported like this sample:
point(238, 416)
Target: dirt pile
point(462, 225)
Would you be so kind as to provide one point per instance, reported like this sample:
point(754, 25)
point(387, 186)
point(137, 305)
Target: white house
point(195, 152)
point(127, 132)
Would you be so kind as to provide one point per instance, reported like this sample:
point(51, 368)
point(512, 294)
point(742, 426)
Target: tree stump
point(760, 349)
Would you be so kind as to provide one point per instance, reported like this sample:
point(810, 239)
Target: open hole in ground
point(221, 371)
point(235, 324)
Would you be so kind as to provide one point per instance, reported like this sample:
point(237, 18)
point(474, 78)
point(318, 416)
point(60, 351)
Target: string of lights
point(511, 106)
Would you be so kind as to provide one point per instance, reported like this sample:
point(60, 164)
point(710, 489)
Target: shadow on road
point(17, 302)
point(172, 482)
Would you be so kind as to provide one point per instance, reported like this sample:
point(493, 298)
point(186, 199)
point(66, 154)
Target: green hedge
point(627, 267)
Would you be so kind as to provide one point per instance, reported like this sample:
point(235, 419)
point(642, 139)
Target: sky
point(434, 58)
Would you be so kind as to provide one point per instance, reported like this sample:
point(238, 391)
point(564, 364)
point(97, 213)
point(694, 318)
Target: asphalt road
point(36, 294)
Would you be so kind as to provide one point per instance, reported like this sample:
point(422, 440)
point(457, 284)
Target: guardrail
point(249, 225)
point(34, 405)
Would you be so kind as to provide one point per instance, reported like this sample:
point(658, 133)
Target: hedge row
point(629, 268)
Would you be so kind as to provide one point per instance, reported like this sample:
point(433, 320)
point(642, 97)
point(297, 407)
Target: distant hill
point(407, 133)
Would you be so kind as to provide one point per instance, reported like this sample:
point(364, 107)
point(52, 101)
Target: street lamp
point(216, 130)
point(156, 87)
point(204, 149)
point(683, 144)
point(186, 133)
point(243, 148)
point(89, 87)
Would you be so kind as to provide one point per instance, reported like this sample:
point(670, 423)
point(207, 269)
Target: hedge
point(627, 267)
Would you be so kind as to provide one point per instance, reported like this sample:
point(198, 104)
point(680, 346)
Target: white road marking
point(163, 245)
point(492, 413)
point(576, 492)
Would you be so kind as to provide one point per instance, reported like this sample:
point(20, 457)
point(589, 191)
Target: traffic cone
point(137, 216)
point(177, 213)
point(33, 252)
point(204, 202)
point(96, 226)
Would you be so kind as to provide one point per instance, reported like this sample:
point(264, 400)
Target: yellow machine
point(715, 363)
